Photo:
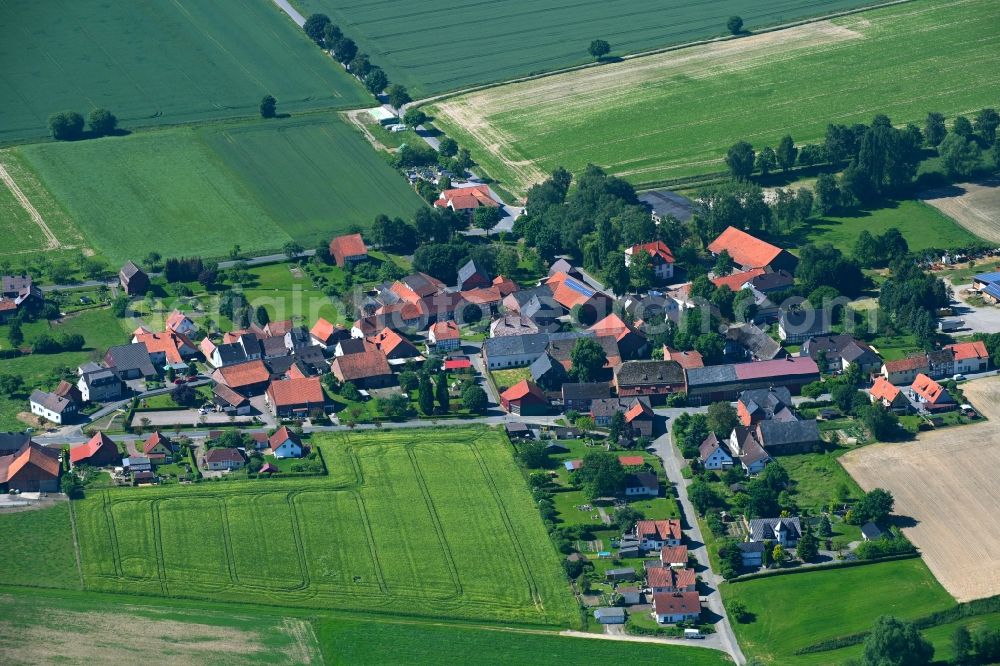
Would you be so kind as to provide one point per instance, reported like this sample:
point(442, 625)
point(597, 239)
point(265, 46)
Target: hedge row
point(820, 567)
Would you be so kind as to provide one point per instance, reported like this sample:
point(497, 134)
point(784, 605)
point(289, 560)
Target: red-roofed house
point(157, 448)
point(658, 534)
point(639, 418)
point(349, 249)
point(393, 345)
point(680, 607)
point(524, 398)
point(659, 253)
point(179, 323)
point(285, 444)
point(735, 281)
point(248, 378)
point(905, 370)
point(33, 468)
point(931, 395)
point(570, 292)
point(631, 342)
point(685, 359)
point(889, 396)
point(295, 398)
point(667, 579)
point(327, 334)
point(970, 356)
point(445, 335)
point(166, 348)
point(749, 252)
point(466, 199)
point(369, 369)
point(99, 451)
point(674, 556)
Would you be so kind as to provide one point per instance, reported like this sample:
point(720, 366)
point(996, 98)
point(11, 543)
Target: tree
point(766, 161)
point(874, 507)
point(778, 554)
point(587, 360)
point(626, 518)
point(11, 385)
point(825, 528)
point(881, 423)
point(640, 272)
point(448, 147)
point(14, 334)
point(960, 156)
point(723, 264)
point(740, 160)
point(827, 194)
point(987, 643)
point(934, 129)
point(962, 127)
point(331, 35)
point(734, 25)
point(376, 81)
point(102, 122)
point(532, 455)
point(426, 398)
point(985, 124)
point(961, 645)
point(738, 610)
point(414, 117)
point(71, 485)
point(786, 153)
point(315, 25)
point(260, 316)
point(617, 427)
point(808, 546)
point(601, 474)
point(703, 497)
point(599, 48)
point(441, 392)
point(184, 395)
point(487, 217)
point(66, 126)
point(895, 642)
point(474, 399)
point(722, 418)
point(398, 96)
point(292, 249)
point(268, 106)
point(345, 50)
point(616, 274)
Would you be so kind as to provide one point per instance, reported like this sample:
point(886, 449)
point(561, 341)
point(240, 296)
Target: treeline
point(330, 37)
point(68, 125)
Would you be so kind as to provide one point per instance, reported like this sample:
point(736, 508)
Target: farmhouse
point(133, 279)
point(639, 419)
point(52, 407)
point(713, 455)
point(765, 404)
point(658, 534)
point(655, 379)
point(739, 280)
point(677, 607)
point(445, 335)
point(797, 325)
point(642, 484)
point(466, 199)
point(547, 373)
point(166, 348)
point(514, 351)
point(674, 556)
point(369, 369)
point(579, 397)
point(570, 292)
point(970, 357)
point(348, 249)
point(31, 469)
point(98, 384)
point(179, 323)
point(784, 531)
point(670, 580)
point(904, 371)
point(223, 459)
point(631, 342)
point(749, 252)
point(157, 448)
point(285, 444)
point(931, 395)
point(660, 256)
point(295, 398)
point(249, 378)
point(230, 401)
point(748, 342)
point(889, 396)
point(841, 352)
point(130, 361)
point(524, 398)
point(99, 451)
point(393, 345)
point(725, 382)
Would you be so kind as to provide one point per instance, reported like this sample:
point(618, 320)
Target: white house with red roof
point(931, 395)
point(348, 249)
point(659, 254)
point(445, 335)
point(180, 323)
point(676, 607)
point(658, 534)
point(970, 356)
point(888, 395)
point(285, 444)
point(466, 199)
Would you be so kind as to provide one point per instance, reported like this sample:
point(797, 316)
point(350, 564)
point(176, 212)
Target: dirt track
point(947, 483)
point(975, 206)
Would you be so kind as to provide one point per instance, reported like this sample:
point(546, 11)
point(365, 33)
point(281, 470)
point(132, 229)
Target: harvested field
point(975, 206)
point(946, 482)
point(674, 114)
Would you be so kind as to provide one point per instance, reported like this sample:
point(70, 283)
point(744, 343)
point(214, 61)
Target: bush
point(102, 122)
point(739, 612)
point(66, 126)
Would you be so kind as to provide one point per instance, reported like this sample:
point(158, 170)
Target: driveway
point(672, 464)
point(978, 319)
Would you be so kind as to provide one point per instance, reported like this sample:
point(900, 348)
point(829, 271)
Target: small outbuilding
point(610, 615)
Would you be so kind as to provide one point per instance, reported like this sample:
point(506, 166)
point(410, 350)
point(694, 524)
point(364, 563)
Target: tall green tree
point(740, 159)
point(723, 264)
point(961, 645)
point(640, 271)
point(734, 25)
point(960, 156)
point(315, 25)
point(985, 124)
point(425, 400)
point(268, 106)
point(895, 642)
point(102, 122)
point(766, 161)
point(601, 474)
point(786, 153)
point(598, 49)
point(441, 391)
point(587, 360)
point(617, 427)
point(962, 127)
point(722, 418)
point(934, 129)
point(66, 126)
point(376, 81)
point(261, 316)
point(616, 273)
point(398, 96)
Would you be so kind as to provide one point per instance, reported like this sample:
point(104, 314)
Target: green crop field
point(158, 63)
point(798, 610)
point(201, 190)
point(435, 45)
point(432, 524)
point(673, 115)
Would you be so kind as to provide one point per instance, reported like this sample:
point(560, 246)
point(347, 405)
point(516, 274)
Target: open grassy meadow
point(421, 524)
point(435, 46)
point(673, 115)
point(201, 190)
point(802, 609)
point(158, 63)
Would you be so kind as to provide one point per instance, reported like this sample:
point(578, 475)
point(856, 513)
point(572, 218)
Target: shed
point(610, 615)
point(871, 532)
point(624, 574)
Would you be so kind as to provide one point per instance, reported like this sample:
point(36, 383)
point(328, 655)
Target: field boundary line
point(76, 543)
point(370, 536)
point(300, 550)
point(435, 521)
point(227, 541)
point(161, 560)
point(52, 243)
point(116, 554)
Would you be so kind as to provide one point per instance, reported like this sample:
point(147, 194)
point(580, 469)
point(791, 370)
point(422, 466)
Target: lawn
point(388, 530)
point(159, 63)
point(922, 226)
point(797, 610)
point(31, 537)
point(202, 190)
point(488, 43)
point(818, 478)
point(674, 115)
point(504, 379)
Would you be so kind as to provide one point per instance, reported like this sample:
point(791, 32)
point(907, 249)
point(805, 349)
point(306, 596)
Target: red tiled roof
point(637, 410)
point(351, 245)
point(457, 364)
point(466, 198)
point(445, 330)
point(95, 444)
point(155, 439)
point(736, 280)
point(661, 530)
point(290, 392)
point(612, 326)
point(687, 603)
point(323, 330)
point(505, 285)
point(229, 395)
point(223, 455)
point(686, 359)
point(568, 291)
point(522, 390)
point(389, 340)
point(883, 390)
point(674, 554)
point(929, 389)
point(632, 461)
point(906, 364)
point(176, 320)
point(656, 250)
point(746, 250)
point(47, 460)
point(280, 436)
point(361, 366)
point(481, 295)
point(966, 350)
point(169, 343)
point(667, 577)
point(242, 374)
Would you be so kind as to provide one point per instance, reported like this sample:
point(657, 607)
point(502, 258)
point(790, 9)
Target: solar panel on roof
point(579, 288)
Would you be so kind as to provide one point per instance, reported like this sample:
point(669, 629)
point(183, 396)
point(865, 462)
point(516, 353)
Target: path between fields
point(293, 13)
point(52, 242)
point(629, 638)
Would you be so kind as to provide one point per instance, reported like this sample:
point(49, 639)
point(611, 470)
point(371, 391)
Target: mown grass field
point(158, 63)
point(431, 524)
point(798, 610)
point(202, 190)
point(435, 46)
point(675, 114)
